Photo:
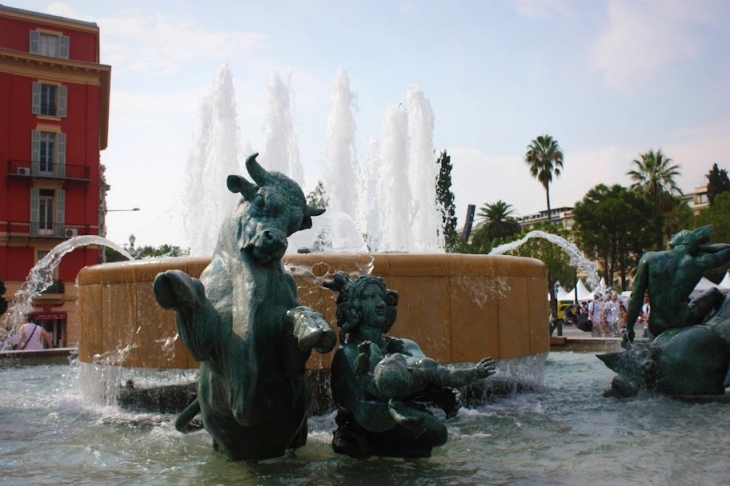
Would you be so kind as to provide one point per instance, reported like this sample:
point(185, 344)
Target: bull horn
point(237, 184)
point(257, 173)
point(312, 211)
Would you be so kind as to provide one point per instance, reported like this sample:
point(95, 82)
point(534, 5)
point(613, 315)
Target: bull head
point(262, 177)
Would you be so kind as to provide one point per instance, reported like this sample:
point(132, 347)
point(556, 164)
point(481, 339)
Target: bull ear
point(310, 211)
point(239, 184)
point(257, 173)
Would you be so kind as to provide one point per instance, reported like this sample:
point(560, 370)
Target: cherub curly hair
point(349, 313)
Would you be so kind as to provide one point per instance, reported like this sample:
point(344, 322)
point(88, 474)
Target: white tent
point(583, 294)
point(704, 284)
point(725, 284)
point(565, 294)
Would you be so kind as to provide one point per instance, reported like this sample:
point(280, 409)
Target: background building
point(54, 114)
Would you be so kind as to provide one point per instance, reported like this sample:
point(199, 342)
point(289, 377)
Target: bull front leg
point(198, 323)
point(311, 330)
point(307, 329)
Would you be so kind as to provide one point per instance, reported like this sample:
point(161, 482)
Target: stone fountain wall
point(459, 308)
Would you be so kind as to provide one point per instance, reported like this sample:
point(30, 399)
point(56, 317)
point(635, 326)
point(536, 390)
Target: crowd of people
point(607, 318)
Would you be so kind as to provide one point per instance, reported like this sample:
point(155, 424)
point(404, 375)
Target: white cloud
point(139, 42)
point(645, 36)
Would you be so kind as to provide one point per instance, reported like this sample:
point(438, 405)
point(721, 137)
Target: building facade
point(54, 114)
point(560, 216)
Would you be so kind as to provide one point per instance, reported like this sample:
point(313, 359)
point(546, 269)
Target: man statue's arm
point(637, 296)
point(712, 256)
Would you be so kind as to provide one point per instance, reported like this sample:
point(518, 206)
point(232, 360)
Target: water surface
point(563, 433)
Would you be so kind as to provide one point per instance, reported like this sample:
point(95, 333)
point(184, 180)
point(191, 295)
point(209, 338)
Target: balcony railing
point(36, 229)
point(69, 172)
point(56, 287)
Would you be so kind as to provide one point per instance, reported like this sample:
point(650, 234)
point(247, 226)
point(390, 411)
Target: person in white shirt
point(645, 313)
point(611, 314)
point(32, 336)
point(595, 308)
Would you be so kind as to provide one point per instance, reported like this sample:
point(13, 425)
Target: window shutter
point(60, 211)
point(34, 211)
point(35, 41)
point(35, 151)
point(62, 101)
point(61, 154)
point(63, 47)
point(36, 103)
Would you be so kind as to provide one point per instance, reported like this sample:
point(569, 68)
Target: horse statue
point(242, 321)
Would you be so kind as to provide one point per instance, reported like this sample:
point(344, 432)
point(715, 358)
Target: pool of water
point(563, 433)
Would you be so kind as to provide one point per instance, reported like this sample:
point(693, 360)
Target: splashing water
point(41, 277)
point(577, 259)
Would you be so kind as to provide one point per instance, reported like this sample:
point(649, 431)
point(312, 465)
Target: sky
point(608, 79)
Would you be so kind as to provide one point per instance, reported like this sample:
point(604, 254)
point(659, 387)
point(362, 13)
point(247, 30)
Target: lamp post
point(102, 226)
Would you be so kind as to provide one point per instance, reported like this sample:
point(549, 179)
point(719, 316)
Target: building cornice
point(63, 70)
point(45, 19)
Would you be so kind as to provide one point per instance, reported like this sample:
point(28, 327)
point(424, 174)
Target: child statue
point(381, 385)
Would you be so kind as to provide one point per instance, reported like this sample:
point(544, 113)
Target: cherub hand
point(362, 361)
point(486, 367)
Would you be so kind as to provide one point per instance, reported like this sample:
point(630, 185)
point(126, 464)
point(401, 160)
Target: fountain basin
point(459, 308)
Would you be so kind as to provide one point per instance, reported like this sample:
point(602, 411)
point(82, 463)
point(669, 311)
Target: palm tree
point(496, 223)
point(653, 176)
point(545, 158)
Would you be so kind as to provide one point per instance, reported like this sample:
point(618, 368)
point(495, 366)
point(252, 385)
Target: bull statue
point(242, 321)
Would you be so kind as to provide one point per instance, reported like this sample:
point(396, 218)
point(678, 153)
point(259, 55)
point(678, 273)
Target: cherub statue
point(381, 385)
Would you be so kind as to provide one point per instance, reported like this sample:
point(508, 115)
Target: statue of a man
point(381, 384)
point(671, 276)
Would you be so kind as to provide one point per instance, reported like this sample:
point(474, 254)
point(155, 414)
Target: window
point(47, 212)
point(49, 44)
point(49, 99)
point(48, 154)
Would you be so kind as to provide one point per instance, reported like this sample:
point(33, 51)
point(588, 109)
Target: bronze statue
point(242, 321)
point(381, 385)
point(690, 353)
point(670, 276)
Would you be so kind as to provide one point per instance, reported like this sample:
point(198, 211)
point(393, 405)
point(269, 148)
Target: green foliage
point(717, 183)
point(654, 177)
point(718, 215)
point(554, 258)
point(147, 251)
point(496, 224)
point(446, 201)
point(545, 158)
point(318, 198)
point(612, 226)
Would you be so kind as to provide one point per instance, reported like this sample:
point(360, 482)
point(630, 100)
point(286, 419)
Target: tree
point(554, 258)
point(446, 201)
point(496, 223)
point(653, 176)
point(718, 215)
point(146, 251)
point(717, 183)
point(318, 198)
point(545, 158)
point(612, 227)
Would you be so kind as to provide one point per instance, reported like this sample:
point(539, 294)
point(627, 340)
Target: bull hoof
point(174, 289)
point(311, 330)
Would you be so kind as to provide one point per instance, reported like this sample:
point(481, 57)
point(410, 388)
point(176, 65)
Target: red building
point(54, 118)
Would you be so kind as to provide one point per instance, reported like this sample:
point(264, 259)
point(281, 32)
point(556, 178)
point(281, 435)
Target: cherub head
point(364, 300)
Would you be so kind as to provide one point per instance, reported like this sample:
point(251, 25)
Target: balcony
point(31, 229)
point(66, 172)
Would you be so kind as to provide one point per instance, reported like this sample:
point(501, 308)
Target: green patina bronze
point(242, 321)
point(690, 354)
point(381, 385)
